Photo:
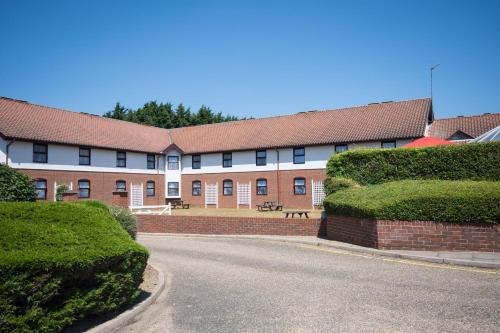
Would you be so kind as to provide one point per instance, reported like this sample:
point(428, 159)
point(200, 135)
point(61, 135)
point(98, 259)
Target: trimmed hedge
point(421, 200)
point(474, 161)
point(333, 184)
point(61, 262)
point(15, 186)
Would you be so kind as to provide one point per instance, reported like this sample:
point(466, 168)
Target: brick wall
point(413, 235)
point(281, 181)
point(217, 225)
point(102, 184)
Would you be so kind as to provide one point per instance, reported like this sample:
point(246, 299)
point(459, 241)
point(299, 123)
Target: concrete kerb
point(345, 247)
point(127, 316)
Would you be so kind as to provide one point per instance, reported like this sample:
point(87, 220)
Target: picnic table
point(180, 204)
point(298, 212)
point(269, 206)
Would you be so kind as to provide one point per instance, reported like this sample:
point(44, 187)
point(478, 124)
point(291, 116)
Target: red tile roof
point(26, 121)
point(473, 126)
point(382, 121)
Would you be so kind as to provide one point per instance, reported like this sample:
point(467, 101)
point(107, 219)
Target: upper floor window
point(299, 155)
point(173, 162)
point(151, 161)
point(121, 159)
point(41, 189)
point(196, 188)
point(260, 157)
point(261, 186)
point(84, 156)
point(40, 151)
point(340, 148)
point(388, 144)
point(299, 186)
point(173, 189)
point(196, 162)
point(121, 186)
point(227, 160)
point(227, 187)
point(150, 188)
point(84, 188)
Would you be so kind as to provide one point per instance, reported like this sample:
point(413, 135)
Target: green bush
point(15, 186)
point(334, 184)
point(61, 262)
point(126, 219)
point(479, 161)
point(422, 200)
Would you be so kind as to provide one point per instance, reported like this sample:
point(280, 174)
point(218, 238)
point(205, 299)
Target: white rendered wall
point(172, 175)
point(61, 157)
point(3, 151)
point(316, 157)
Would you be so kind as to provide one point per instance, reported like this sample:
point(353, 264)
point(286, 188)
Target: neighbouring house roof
point(464, 127)
point(25, 121)
point(428, 141)
point(380, 121)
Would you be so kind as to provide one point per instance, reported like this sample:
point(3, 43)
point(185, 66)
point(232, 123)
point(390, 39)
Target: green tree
point(182, 116)
point(119, 112)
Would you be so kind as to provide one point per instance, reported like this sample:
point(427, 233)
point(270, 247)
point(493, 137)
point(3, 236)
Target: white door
point(137, 196)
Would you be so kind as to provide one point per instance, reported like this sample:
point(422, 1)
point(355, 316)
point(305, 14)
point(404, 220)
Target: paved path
point(245, 285)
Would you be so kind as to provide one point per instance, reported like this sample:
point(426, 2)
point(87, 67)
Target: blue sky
point(251, 58)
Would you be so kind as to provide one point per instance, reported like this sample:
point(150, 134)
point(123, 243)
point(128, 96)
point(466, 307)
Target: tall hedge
point(62, 262)
point(15, 186)
point(474, 161)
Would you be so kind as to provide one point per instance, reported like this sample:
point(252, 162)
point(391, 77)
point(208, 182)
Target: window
point(261, 186)
point(121, 159)
point(173, 189)
point(173, 162)
point(340, 148)
point(260, 157)
point(388, 144)
point(227, 160)
point(196, 161)
point(196, 188)
point(151, 161)
point(150, 188)
point(299, 186)
point(41, 189)
point(84, 188)
point(227, 187)
point(84, 155)
point(121, 186)
point(299, 155)
point(39, 153)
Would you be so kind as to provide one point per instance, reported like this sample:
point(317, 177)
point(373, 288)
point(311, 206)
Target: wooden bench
point(298, 212)
point(180, 204)
point(269, 206)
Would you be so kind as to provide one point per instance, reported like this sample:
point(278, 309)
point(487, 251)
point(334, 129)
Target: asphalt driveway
point(244, 285)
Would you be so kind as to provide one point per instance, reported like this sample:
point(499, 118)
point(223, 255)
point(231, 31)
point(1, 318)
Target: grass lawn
point(242, 212)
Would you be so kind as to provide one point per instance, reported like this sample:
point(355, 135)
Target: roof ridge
point(471, 116)
point(76, 112)
point(300, 113)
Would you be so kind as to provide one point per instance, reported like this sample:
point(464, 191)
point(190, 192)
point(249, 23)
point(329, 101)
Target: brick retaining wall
point(413, 235)
point(218, 225)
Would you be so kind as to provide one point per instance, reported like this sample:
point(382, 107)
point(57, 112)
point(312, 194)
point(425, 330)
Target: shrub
point(60, 190)
point(61, 262)
point(126, 219)
point(479, 161)
point(422, 200)
point(15, 186)
point(334, 184)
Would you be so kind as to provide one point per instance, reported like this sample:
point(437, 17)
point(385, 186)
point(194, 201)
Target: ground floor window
point(84, 188)
point(299, 186)
point(41, 189)
point(150, 188)
point(121, 186)
point(261, 186)
point(388, 144)
point(173, 189)
point(227, 187)
point(196, 188)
